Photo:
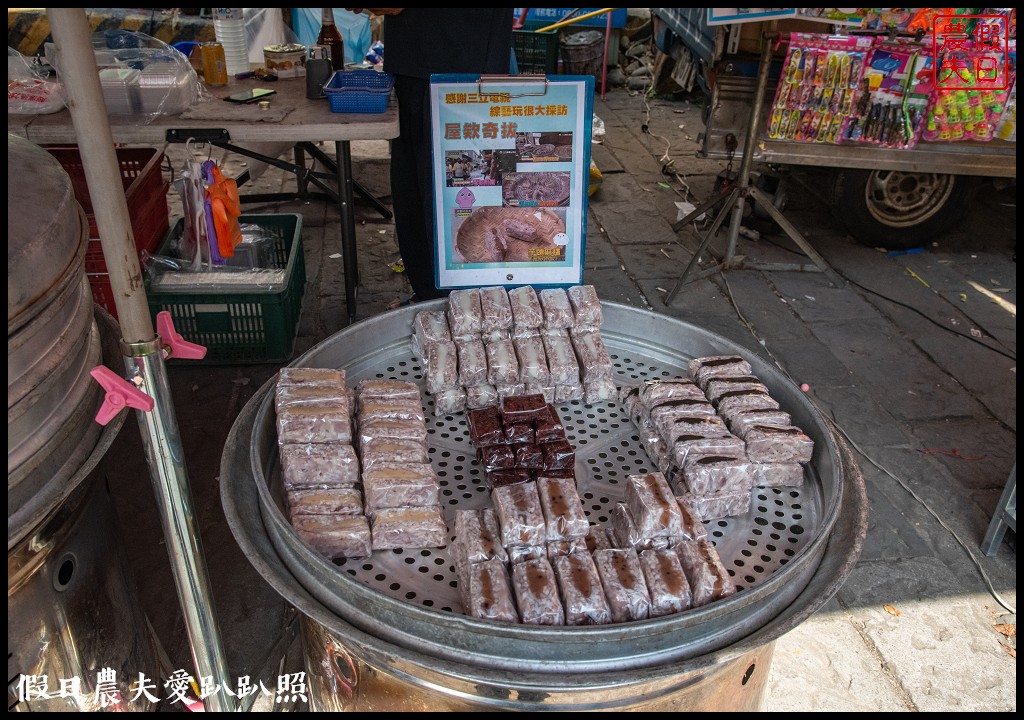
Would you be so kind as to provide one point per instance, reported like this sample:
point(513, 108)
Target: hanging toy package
point(894, 94)
point(818, 90)
point(965, 104)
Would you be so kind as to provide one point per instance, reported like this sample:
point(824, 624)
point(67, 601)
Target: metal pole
point(753, 128)
point(143, 351)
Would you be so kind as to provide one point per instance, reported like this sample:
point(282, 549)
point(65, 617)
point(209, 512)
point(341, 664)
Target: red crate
point(145, 191)
point(140, 174)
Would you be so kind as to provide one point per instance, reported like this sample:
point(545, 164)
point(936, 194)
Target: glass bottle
point(331, 37)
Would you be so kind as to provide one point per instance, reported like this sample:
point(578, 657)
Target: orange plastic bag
point(226, 206)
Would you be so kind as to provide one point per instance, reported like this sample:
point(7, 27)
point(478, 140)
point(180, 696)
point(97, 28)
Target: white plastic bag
point(30, 91)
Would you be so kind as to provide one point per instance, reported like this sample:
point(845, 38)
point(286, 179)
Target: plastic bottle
point(331, 37)
point(229, 27)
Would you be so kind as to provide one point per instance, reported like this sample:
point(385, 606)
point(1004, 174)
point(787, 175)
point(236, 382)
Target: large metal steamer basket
point(783, 556)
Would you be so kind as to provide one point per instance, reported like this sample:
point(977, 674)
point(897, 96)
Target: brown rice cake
point(563, 510)
point(666, 582)
point(335, 536)
point(317, 465)
point(408, 527)
point(652, 506)
point(709, 580)
point(582, 594)
point(623, 581)
point(536, 591)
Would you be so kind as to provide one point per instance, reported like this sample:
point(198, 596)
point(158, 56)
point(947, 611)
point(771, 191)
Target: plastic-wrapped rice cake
point(536, 592)
point(623, 582)
point(502, 365)
point(385, 449)
point(324, 500)
point(519, 514)
point(586, 306)
point(563, 511)
point(778, 444)
point(430, 326)
point(703, 369)
point(487, 593)
point(583, 596)
point(478, 533)
point(562, 363)
point(594, 361)
point(335, 536)
point(465, 314)
point(319, 465)
point(312, 395)
point(305, 376)
point(442, 371)
point(391, 485)
point(472, 362)
point(314, 424)
point(557, 309)
point(667, 584)
point(709, 580)
point(527, 315)
point(652, 506)
point(497, 310)
point(384, 388)
point(408, 527)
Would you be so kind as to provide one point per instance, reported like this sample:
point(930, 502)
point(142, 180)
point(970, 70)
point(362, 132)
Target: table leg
point(348, 226)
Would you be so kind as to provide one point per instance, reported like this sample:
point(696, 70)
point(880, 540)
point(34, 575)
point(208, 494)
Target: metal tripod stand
point(735, 199)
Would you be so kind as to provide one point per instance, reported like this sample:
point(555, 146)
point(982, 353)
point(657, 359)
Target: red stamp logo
point(971, 52)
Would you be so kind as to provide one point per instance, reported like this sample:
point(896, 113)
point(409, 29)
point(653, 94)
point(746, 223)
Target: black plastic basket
point(536, 53)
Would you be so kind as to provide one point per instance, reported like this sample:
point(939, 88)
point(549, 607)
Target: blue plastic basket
point(359, 91)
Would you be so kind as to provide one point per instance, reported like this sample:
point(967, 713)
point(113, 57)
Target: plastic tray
point(536, 53)
point(359, 91)
point(246, 326)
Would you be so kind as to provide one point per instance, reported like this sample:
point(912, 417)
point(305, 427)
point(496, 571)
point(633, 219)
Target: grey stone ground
point(899, 382)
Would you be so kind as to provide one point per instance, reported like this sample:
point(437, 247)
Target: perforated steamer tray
point(411, 596)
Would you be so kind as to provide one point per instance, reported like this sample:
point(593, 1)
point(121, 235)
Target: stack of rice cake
point(319, 463)
point(494, 343)
point(399, 484)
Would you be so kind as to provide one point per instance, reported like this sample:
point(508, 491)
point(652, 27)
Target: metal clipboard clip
point(516, 80)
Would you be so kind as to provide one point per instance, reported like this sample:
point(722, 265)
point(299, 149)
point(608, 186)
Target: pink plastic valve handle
point(120, 394)
point(180, 347)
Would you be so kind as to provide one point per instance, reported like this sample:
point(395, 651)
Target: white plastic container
point(229, 27)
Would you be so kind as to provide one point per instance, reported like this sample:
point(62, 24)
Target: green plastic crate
point(536, 53)
point(244, 327)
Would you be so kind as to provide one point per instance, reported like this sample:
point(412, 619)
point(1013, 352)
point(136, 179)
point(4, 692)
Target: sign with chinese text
point(971, 52)
point(511, 172)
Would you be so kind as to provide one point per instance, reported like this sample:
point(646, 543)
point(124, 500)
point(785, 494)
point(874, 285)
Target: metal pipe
point(165, 456)
point(140, 346)
point(81, 82)
point(753, 128)
point(604, 62)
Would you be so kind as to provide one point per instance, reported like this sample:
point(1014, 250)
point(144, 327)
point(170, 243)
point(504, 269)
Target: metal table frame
point(309, 122)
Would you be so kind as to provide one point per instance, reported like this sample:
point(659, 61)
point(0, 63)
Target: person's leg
point(411, 185)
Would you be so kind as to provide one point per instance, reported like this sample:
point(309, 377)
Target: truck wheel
point(899, 210)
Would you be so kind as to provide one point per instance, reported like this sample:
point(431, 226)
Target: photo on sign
point(469, 167)
point(509, 235)
point(535, 189)
point(544, 146)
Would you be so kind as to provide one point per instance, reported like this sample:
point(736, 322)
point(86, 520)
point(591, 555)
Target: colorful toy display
point(818, 90)
point(895, 86)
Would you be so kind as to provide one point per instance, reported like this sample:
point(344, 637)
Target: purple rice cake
point(586, 306)
point(714, 474)
point(563, 511)
point(319, 465)
point(449, 402)
point(390, 409)
point(560, 548)
point(496, 457)
point(724, 444)
point(408, 527)
point(311, 395)
point(598, 538)
point(527, 315)
point(392, 485)
point(558, 455)
point(582, 594)
point(703, 369)
point(525, 553)
point(472, 362)
point(624, 586)
point(569, 393)
point(652, 506)
point(718, 386)
point(713, 507)
point(658, 392)
point(465, 314)
point(600, 390)
point(740, 422)
point(536, 592)
point(709, 580)
point(558, 313)
point(533, 362)
point(394, 450)
point(673, 409)
point(729, 404)
point(314, 424)
point(693, 528)
point(428, 327)
point(625, 534)
point(519, 433)
point(502, 365)
point(324, 500)
point(562, 363)
point(401, 429)
point(523, 409)
point(442, 366)
point(497, 311)
point(549, 428)
point(515, 476)
point(519, 514)
point(667, 584)
point(529, 456)
point(335, 536)
point(480, 396)
point(487, 592)
point(306, 376)
point(594, 361)
point(384, 388)
point(778, 444)
point(779, 475)
point(478, 534)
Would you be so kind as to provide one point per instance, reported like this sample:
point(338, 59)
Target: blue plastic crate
point(359, 91)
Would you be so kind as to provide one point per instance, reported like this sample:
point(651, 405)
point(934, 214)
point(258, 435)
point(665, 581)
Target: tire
point(899, 210)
